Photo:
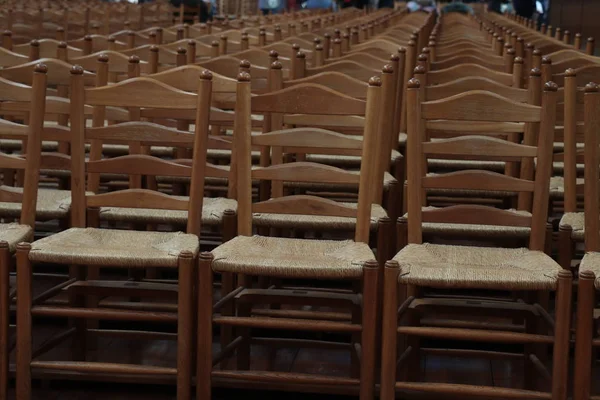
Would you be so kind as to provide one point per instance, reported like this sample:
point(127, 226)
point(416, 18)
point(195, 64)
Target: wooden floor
point(434, 368)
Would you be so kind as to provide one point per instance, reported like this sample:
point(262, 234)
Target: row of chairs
point(40, 19)
point(151, 98)
point(432, 109)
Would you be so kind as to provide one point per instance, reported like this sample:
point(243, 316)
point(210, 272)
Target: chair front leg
point(204, 334)
point(560, 356)
point(565, 247)
point(185, 297)
point(389, 331)
point(4, 316)
point(584, 329)
point(369, 329)
point(24, 334)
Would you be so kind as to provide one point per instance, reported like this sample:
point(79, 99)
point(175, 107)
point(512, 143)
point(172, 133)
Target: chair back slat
point(475, 215)
point(475, 179)
point(142, 198)
point(140, 92)
point(303, 204)
point(480, 105)
point(138, 164)
point(308, 99)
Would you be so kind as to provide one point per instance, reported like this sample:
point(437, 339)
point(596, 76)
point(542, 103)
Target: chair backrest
point(465, 70)
point(305, 99)
point(35, 97)
point(58, 72)
point(592, 167)
point(118, 63)
point(570, 130)
point(9, 58)
point(134, 94)
point(487, 109)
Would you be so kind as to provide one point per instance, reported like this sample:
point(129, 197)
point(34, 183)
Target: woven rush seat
point(112, 247)
point(591, 262)
point(576, 222)
point(343, 160)
point(558, 167)
point(225, 154)
point(292, 258)
point(402, 138)
point(491, 231)
point(212, 213)
point(16, 145)
point(557, 186)
point(14, 233)
point(51, 204)
point(123, 149)
point(110, 149)
point(316, 221)
point(467, 192)
point(497, 166)
point(387, 180)
point(560, 146)
point(467, 267)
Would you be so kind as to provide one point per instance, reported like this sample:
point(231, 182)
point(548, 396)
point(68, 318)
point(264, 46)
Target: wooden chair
point(84, 244)
point(13, 233)
point(585, 331)
point(422, 265)
point(436, 166)
point(569, 127)
point(285, 258)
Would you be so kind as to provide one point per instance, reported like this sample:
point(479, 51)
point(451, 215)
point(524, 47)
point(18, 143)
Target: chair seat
point(123, 149)
point(14, 234)
point(388, 179)
point(51, 204)
point(15, 145)
point(576, 222)
point(317, 221)
point(474, 230)
point(292, 258)
point(402, 138)
point(466, 192)
point(591, 262)
point(466, 267)
point(342, 160)
point(558, 167)
point(224, 154)
point(496, 166)
point(559, 147)
point(113, 248)
point(212, 213)
point(557, 186)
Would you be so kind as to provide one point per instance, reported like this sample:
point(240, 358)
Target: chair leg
point(412, 372)
point(389, 331)
point(4, 317)
point(226, 331)
point(583, 336)
point(369, 329)
point(565, 248)
point(24, 301)
point(185, 298)
point(562, 332)
point(204, 330)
